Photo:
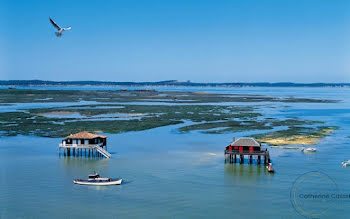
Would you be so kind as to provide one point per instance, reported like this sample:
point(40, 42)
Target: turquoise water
point(168, 174)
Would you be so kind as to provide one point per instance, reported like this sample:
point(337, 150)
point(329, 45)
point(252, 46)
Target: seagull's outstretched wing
point(54, 24)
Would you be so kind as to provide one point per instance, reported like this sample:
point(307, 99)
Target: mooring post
point(235, 158)
point(251, 159)
point(259, 159)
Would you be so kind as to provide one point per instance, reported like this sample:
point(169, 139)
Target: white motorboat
point(345, 163)
point(269, 168)
point(96, 180)
point(308, 150)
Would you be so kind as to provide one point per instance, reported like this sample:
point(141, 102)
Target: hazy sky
point(201, 41)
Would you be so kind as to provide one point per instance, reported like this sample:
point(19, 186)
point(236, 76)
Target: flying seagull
point(60, 29)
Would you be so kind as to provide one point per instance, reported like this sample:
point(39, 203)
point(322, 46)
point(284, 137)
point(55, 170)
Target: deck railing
point(79, 145)
point(246, 152)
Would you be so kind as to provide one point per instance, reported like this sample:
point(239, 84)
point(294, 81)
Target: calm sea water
point(168, 174)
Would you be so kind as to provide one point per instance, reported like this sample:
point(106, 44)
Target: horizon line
point(168, 82)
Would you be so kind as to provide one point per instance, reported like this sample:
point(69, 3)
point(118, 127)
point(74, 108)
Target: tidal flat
point(117, 111)
point(142, 95)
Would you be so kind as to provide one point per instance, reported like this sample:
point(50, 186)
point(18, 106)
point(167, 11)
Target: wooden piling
point(241, 158)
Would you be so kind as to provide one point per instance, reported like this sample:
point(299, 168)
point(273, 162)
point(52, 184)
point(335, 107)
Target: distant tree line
point(164, 83)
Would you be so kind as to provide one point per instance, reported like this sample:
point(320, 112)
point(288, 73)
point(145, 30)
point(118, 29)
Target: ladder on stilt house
point(103, 152)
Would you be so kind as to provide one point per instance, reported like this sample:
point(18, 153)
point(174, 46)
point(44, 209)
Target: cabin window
point(251, 149)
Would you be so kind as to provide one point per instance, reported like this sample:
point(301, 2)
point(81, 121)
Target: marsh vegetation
point(123, 111)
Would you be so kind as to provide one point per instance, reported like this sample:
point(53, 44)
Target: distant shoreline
point(36, 83)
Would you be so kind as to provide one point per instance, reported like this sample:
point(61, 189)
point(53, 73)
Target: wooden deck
point(95, 150)
point(231, 156)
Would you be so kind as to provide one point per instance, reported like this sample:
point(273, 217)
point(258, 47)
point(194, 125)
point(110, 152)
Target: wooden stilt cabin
point(243, 147)
point(85, 143)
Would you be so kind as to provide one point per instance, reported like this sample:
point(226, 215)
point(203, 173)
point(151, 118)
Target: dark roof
point(246, 142)
point(85, 135)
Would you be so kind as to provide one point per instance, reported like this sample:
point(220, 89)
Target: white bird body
point(60, 29)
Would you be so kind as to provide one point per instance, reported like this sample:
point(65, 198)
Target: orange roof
point(85, 135)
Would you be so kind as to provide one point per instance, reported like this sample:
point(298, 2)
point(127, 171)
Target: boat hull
point(309, 150)
point(270, 169)
point(345, 163)
point(90, 183)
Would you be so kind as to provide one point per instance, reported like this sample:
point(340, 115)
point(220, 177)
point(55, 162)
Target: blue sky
point(197, 40)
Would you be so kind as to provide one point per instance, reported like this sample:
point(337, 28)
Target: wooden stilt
point(241, 159)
